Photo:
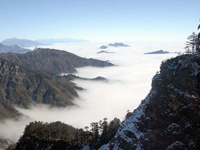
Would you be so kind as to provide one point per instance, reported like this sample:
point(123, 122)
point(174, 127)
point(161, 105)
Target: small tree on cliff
point(198, 42)
point(191, 43)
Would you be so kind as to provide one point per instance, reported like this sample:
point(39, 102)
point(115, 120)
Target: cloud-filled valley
point(129, 81)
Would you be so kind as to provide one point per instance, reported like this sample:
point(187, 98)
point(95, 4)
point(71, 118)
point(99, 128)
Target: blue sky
point(99, 20)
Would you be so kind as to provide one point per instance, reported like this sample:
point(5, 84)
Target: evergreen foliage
point(191, 44)
point(198, 41)
point(97, 135)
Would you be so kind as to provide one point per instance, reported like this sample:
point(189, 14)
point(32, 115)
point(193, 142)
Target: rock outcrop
point(169, 117)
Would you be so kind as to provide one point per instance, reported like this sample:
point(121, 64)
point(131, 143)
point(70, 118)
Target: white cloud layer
point(128, 83)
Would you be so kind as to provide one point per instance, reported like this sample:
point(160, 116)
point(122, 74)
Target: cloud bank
point(128, 83)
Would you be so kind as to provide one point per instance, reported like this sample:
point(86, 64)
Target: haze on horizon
point(99, 20)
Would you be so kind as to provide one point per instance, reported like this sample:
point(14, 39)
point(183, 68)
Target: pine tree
point(105, 126)
point(128, 114)
point(95, 129)
point(198, 42)
point(191, 43)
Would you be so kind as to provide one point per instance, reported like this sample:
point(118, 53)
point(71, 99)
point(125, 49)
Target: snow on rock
point(168, 118)
point(86, 147)
point(175, 145)
point(129, 132)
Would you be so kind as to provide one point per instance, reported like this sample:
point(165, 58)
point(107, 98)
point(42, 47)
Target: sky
point(99, 20)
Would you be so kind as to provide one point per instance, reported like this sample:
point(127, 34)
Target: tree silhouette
point(191, 43)
point(198, 41)
point(128, 114)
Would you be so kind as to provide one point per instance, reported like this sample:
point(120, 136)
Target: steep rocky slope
point(169, 117)
point(51, 61)
point(22, 87)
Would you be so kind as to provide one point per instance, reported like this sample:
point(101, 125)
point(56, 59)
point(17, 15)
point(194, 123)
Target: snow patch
point(86, 148)
point(182, 93)
point(175, 145)
point(130, 125)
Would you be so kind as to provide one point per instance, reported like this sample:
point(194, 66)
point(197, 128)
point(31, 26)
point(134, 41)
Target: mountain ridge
point(21, 42)
point(52, 61)
point(13, 49)
point(22, 87)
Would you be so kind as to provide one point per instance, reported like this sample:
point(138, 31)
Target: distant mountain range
point(52, 61)
point(118, 45)
point(113, 45)
point(158, 52)
point(39, 42)
point(21, 42)
point(104, 52)
point(12, 48)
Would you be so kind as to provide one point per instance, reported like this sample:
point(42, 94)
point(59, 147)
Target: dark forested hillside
point(51, 61)
point(22, 87)
point(57, 135)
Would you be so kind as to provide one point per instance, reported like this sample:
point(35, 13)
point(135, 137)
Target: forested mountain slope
point(51, 61)
point(22, 87)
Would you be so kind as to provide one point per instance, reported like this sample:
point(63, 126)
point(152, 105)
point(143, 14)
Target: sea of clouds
point(129, 81)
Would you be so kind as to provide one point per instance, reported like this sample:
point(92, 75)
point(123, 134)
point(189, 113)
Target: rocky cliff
point(22, 87)
point(51, 61)
point(169, 117)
